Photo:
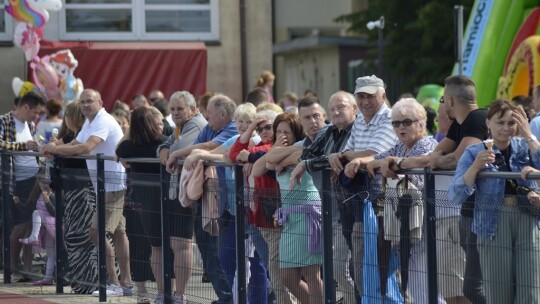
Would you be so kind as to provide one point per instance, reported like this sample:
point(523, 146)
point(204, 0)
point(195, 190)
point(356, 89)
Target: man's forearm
point(446, 162)
point(71, 149)
point(183, 153)
point(350, 155)
point(415, 162)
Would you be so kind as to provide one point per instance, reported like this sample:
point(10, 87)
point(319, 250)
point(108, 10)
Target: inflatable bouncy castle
point(501, 48)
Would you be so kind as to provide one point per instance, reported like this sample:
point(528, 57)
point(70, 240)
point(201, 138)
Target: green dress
point(293, 245)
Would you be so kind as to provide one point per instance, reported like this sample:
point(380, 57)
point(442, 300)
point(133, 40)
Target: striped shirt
point(8, 141)
point(377, 135)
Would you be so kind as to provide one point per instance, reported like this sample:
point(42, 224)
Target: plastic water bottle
point(173, 185)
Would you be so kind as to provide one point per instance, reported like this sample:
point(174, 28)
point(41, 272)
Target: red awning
point(121, 70)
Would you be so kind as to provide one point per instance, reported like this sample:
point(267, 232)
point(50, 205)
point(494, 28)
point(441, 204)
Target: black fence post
point(6, 214)
point(59, 224)
point(165, 237)
point(328, 253)
point(431, 239)
point(100, 209)
point(240, 234)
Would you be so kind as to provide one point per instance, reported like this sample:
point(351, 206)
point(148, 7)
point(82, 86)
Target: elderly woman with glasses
point(506, 218)
point(409, 119)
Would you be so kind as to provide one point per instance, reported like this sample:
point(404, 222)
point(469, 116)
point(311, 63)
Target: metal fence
point(428, 203)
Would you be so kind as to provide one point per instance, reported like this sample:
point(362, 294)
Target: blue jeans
point(208, 246)
point(258, 282)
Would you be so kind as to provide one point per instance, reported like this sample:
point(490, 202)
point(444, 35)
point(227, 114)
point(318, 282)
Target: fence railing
point(429, 198)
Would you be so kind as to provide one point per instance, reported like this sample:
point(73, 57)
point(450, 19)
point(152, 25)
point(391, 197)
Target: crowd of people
point(487, 228)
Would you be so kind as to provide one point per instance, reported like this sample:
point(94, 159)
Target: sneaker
point(127, 291)
point(112, 291)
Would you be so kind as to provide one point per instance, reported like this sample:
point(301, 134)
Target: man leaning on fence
point(17, 132)
point(219, 129)
point(342, 108)
point(457, 278)
point(371, 133)
point(188, 125)
point(101, 134)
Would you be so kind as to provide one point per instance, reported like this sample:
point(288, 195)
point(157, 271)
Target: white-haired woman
point(409, 120)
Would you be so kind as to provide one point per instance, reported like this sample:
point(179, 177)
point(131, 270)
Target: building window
point(6, 27)
point(166, 20)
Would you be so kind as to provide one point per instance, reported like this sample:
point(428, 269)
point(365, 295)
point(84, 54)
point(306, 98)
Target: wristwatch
point(531, 138)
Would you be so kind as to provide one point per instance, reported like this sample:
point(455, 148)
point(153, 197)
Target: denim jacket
point(490, 191)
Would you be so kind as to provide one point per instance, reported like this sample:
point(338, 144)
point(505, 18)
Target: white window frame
point(8, 34)
point(138, 33)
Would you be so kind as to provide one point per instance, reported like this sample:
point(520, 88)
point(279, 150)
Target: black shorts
point(180, 220)
point(22, 211)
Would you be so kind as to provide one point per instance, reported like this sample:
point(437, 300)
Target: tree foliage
point(419, 37)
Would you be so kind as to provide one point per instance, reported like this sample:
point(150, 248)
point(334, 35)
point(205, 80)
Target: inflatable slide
point(501, 48)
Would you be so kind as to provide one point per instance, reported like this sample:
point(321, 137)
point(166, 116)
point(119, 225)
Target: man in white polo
point(101, 134)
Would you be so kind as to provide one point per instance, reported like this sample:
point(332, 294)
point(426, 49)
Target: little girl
point(43, 229)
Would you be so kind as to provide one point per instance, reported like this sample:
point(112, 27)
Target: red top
point(265, 186)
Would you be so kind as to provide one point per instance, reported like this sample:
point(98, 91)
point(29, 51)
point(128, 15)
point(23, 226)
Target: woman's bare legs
point(292, 279)
point(183, 262)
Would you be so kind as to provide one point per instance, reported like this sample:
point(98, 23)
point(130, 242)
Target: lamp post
point(380, 25)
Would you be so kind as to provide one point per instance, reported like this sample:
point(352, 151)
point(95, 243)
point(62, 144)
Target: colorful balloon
point(31, 11)
point(21, 87)
point(27, 38)
point(45, 78)
point(65, 64)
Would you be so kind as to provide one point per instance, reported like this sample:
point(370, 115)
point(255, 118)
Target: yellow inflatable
point(523, 72)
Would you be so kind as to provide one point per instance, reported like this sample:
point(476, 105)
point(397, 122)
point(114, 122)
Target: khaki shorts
point(450, 258)
point(114, 212)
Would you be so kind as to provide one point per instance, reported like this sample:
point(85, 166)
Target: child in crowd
point(43, 230)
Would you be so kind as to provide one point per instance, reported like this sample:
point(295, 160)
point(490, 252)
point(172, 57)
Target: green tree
point(419, 38)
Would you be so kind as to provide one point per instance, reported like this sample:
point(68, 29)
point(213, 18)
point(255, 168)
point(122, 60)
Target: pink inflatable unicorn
point(31, 11)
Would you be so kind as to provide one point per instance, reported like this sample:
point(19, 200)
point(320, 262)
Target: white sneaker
point(111, 290)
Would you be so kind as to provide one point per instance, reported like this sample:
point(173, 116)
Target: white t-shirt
point(105, 127)
point(25, 167)
point(45, 129)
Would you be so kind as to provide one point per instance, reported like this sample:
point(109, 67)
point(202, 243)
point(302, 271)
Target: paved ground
point(26, 293)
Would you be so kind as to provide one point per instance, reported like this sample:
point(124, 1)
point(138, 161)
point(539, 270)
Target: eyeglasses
point(442, 99)
point(406, 123)
point(267, 127)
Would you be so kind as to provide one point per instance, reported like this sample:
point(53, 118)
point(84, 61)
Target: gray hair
point(413, 109)
point(185, 95)
point(224, 103)
point(348, 97)
point(271, 115)
point(245, 110)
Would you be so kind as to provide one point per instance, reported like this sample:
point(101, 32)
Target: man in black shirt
point(469, 127)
